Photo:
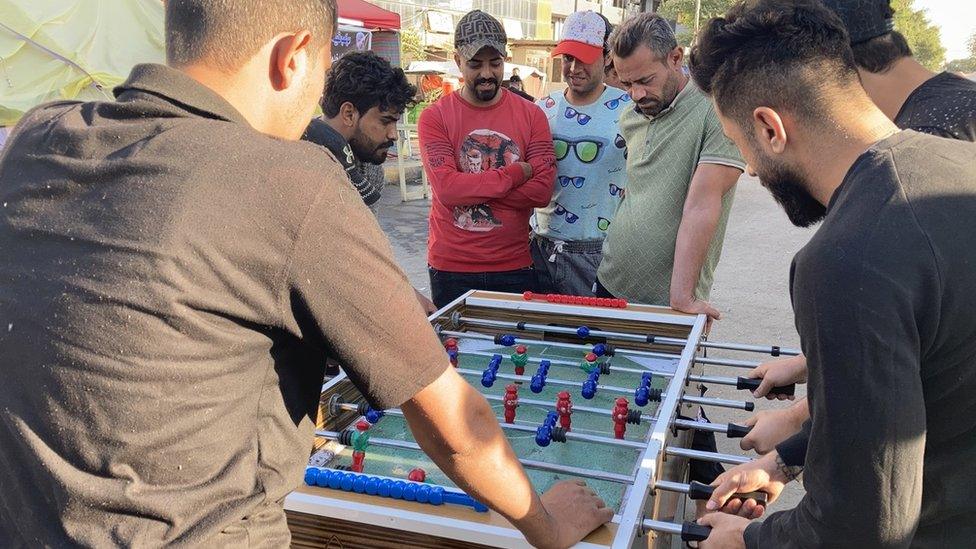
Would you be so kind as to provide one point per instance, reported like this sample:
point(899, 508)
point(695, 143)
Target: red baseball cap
point(584, 36)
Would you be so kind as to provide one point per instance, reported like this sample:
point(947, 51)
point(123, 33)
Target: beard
point(369, 151)
point(653, 106)
point(789, 186)
point(484, 95)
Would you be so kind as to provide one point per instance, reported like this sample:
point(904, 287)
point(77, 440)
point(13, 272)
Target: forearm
point(698, 224)
point(465, 441)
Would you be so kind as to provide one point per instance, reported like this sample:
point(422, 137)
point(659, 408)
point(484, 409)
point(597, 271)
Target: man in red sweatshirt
point(489, 158)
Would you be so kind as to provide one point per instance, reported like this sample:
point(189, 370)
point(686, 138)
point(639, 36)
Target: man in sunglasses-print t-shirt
point(590, 157)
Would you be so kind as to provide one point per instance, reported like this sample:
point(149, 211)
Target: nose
point(636, 93)
point(750, 171)
point(572, 65)
point(392, 133)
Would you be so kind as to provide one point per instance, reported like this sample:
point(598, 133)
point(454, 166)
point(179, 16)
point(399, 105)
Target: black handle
point(737, 431)
point(753, 384)
point(692, 531)
point(700, 491)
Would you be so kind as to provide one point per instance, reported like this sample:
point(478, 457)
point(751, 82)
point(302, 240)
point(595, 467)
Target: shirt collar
point(179, 89)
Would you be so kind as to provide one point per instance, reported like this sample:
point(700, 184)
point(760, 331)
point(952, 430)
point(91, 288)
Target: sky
point(956, 18)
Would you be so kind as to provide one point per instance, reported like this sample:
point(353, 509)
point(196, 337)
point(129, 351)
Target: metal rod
point(669, 486)
point(576, 407)
point(623, 352)
point(581, 437)
point(715, 380)
point(528, 463)
point(553, 381)
point(719, 402)
point(701, 401)
point(659, 526)
point(645, 338)
point(706, 456)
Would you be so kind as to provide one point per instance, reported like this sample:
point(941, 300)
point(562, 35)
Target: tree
point(968, 64)
point(683, 11)
point(923, 37)
point(411, 47)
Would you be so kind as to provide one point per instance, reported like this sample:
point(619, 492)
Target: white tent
point(72, 49)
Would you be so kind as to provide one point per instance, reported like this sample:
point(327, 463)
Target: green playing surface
point(590, 455)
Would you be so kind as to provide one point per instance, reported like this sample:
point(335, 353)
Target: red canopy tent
point(370, 16)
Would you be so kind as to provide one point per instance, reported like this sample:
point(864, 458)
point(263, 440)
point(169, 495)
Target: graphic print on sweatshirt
point(481, 151)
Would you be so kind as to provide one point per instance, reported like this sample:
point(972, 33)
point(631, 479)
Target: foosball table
point(584, 388)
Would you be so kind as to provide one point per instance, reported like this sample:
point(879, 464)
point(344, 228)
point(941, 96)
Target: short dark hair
point(879, 53)
point(644, 29)
point(776, 53)
point(227, 32)
point(366, 80)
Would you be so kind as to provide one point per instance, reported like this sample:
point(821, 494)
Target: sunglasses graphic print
point(587, 150)
point(577, 181)
point(561, 211)
point(581, 119)
point(613, 104)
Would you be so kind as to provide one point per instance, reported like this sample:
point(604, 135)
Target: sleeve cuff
point(751, 535)
point(514, 171)
point(793, 451)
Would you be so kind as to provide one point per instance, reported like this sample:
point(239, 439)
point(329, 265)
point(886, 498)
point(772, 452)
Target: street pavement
point(751, 286)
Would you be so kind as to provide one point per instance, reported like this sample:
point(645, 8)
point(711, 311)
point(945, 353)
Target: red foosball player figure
point(511, 402)
point(417, 475)
point(360, 441)
point(619, 416)
point(565, 408)
point(451, 346)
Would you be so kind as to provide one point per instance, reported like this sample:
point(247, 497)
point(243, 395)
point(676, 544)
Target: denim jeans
point(446, 286)
point(567, 268)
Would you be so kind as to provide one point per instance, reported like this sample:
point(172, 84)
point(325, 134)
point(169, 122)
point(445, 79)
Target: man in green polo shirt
point(666, 237)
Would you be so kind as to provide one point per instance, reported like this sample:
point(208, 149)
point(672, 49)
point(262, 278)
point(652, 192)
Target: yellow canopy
point(72, 49)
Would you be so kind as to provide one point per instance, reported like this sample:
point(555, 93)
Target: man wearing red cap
point(590, 161)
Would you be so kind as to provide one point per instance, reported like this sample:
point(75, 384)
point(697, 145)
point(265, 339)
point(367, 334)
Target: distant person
point(364, 99)
point(610, 76)
point(591, 158)
point(489, 158)
point(515, 81)
point(883, 293)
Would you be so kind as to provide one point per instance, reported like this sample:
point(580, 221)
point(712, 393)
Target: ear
point(348, 114)
point(769, 129)
point(291, 58)
point(676, 55)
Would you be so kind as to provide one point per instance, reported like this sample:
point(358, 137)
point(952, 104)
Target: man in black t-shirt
point(364, 99)
point(916, 98)
point(883, 293)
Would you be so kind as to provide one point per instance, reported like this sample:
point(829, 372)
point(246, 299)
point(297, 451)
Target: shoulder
point(40, 116)
point(320, 133)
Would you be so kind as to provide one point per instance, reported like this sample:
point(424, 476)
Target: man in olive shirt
point(666, 237)
point(883, 293)
point(176, 270)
